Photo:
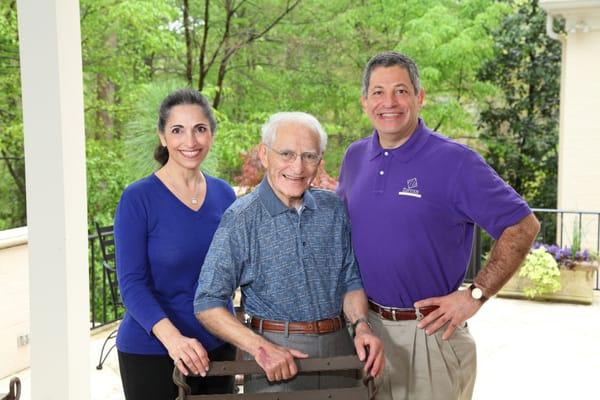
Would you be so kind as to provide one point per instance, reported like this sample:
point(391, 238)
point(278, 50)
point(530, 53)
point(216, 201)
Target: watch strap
point(358, 321)
point(483, 299)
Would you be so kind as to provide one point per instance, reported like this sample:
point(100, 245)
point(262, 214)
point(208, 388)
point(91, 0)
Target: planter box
point(577, 285)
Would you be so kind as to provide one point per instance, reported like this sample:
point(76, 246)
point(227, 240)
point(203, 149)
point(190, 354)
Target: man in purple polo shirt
point(414, 197)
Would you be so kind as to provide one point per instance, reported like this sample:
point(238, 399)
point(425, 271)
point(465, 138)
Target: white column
point(52, 89)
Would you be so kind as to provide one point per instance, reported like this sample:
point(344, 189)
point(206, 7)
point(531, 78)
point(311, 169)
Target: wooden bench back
point(244, 367)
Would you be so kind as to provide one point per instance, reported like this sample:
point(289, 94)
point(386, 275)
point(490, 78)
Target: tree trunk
point(188, 42)
point(203, 69)
point(105, 92)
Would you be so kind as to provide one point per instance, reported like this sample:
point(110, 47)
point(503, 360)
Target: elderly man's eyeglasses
point(288, 156)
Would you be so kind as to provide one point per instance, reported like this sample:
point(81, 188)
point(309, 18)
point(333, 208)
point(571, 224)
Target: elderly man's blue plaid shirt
point(291, 265)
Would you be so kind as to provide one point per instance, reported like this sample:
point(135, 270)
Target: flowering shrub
point(565, 256)
point(543, 263)
point(541, 268)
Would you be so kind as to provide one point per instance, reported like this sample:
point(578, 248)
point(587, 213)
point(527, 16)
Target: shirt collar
point(407, 150)
point(275, 206)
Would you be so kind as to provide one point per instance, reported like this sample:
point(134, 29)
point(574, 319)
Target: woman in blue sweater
point(164, 224)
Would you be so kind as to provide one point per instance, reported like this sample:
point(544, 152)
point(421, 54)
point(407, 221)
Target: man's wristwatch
point(477, 294)
point(358, 321)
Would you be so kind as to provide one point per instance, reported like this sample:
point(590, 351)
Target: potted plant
point(550, 272)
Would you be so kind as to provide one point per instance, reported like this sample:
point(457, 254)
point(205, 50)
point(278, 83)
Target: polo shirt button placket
point(382, 167)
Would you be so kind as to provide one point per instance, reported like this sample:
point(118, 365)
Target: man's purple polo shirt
point(413, 211)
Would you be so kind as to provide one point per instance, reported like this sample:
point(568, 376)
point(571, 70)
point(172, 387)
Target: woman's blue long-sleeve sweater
point(160, 246)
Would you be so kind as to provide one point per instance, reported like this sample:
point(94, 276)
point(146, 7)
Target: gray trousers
point(326, 345)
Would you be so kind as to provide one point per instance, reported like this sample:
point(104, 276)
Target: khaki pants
point(421, 367)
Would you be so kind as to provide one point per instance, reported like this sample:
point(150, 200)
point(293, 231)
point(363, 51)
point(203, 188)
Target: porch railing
point(560, 227)
point(102, 309)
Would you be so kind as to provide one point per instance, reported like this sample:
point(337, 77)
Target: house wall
point(14, 301)
point(579, 138)
point(579, 142)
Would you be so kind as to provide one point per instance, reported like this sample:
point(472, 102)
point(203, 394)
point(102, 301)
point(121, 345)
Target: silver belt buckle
point(394, 314)
point(419, 314)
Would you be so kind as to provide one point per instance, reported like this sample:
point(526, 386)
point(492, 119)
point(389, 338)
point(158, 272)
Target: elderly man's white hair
point(269, 129)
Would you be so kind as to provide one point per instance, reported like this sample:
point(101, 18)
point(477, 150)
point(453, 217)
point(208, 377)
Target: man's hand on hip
point(453, 309)
point(278, 361)
point(369, 348)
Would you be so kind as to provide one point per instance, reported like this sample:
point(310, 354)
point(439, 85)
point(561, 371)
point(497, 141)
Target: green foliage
point(313, 62)
point(124, 44)
point(13, 210)
point(107, 176)
point(310, 59)
point(232, 140)
point(450, 42)
point(576, 243)
point(542, 271)
point(12, 165)
point(520, 128)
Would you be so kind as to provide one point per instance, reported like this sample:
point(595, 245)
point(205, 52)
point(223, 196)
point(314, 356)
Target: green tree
point(450, 41)
point(313, 62)
point(12, 165)
point(223, 30)
point(252, 59)
point(124, 45)
point(520, 128)
point(107, 176)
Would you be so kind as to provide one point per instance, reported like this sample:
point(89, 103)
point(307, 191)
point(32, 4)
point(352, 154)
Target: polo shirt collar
point(407, 150)
point(275, 206)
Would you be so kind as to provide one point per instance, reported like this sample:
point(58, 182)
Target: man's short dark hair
point(391, 59)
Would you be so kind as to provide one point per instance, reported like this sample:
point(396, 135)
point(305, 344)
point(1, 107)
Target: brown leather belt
point(401, 314)
point(317, 327)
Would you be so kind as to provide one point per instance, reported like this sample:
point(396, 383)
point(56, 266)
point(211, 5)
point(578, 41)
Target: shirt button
point(381, 172)
point(385, 153)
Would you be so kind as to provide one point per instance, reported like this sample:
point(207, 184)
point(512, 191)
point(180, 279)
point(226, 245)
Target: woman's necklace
point(194, 199)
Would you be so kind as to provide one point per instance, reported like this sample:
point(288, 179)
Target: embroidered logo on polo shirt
point(411, 189)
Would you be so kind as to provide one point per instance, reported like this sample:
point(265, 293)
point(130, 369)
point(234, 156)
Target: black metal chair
point(109, 275)
point(14, 390)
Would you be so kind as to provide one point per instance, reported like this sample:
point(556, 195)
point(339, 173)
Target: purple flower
point(564, 255)
point(582, 255)
point(554, 250)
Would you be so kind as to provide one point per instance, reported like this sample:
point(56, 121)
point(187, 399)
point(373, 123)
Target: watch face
point(476, 293)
